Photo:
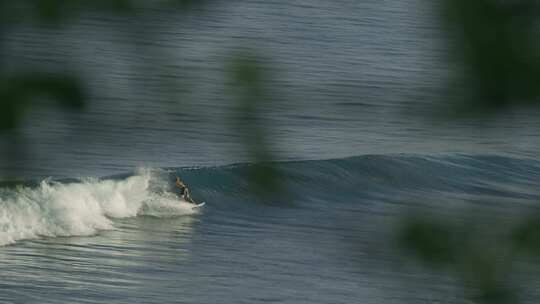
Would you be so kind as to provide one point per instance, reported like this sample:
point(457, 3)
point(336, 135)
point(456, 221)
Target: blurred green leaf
point(248, 85)
point(495, 295)
point(497, 43)
point(486, 272)
point(430, 241)
point(55, 12)
point(526, 236)
point(18, 92)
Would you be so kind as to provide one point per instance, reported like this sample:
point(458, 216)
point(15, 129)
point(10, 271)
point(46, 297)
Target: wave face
point(82, 208)
point(371, 182)
point(377, 178)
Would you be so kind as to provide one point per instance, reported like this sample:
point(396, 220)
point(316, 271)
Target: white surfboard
point(198, 205)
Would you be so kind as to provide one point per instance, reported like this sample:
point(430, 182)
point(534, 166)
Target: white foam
point(165, 205)
point(56, 209)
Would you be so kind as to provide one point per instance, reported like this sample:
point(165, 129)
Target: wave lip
point(79, 209)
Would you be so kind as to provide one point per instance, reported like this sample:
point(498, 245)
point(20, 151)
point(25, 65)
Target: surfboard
point(197, 206)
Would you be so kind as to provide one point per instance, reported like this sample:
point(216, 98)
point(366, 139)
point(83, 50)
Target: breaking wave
point(85, 207)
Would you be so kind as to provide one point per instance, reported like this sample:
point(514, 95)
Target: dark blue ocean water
point(352, 86)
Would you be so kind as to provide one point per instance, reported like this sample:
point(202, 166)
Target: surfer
point(184, 191)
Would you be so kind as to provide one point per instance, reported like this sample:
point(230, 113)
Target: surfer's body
point(184, 191)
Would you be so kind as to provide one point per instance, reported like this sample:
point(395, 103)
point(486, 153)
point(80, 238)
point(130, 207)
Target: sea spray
point(82, 208)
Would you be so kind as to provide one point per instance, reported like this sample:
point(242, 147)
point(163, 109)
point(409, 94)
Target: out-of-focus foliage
point(526, 237)
point(21, 90)
point(497, 44)
point(17, 93)
point(248, 75)
point(483, 258)
point(56, 11)
point(430, 240)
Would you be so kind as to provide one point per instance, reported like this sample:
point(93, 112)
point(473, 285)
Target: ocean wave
point(360, 176)
point(84, 207)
